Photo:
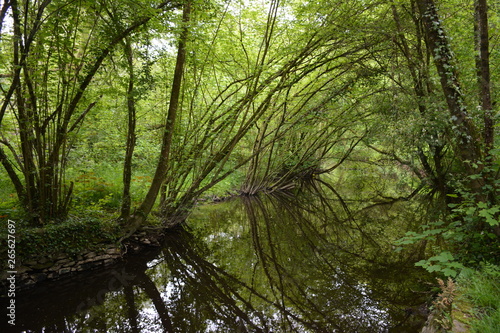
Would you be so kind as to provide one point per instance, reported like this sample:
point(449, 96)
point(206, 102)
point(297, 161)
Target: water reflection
point(289, 262)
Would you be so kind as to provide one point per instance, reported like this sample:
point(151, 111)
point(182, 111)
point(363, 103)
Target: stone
point(113, 251)
point(63, 271)
point(22, 269)
point(63, 262)
point(54, 268)
point(43, 260)
point(103, 257)
point(89, 265)
point(31, 263)
point(90, 255)
point(42, 265)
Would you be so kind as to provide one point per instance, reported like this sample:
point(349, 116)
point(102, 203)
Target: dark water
point(307, 262)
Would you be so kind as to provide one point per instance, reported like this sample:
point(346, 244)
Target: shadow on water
point(302, 262)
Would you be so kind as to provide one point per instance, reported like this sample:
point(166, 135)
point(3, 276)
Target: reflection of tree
point(303, 265)
point(144, 281)
point(132, 312)
point(207, 288)
point(319, 261)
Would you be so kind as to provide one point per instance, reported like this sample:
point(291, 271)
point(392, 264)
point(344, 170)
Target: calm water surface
point(307, 262)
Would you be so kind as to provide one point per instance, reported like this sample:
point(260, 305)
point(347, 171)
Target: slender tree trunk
point(139, 217)
point(417, 63)
point(3, 12)
point(43, 131)
point(131, 135)
point(132, 312)
point(483, 71)
point(18, 185)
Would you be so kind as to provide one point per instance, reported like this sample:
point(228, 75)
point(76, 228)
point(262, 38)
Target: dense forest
point(128, 111)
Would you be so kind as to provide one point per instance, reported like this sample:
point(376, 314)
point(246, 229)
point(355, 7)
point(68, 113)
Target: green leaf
point(443, 257)
point(492, 222)
point(482, 205)
point(422, 263)
point(449, 272)
point(434, 268)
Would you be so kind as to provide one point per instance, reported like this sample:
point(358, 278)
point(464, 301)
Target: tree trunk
point(483, 72)
point(467, 147)
point(139, 217)
point(131, 135)
point(469, 140)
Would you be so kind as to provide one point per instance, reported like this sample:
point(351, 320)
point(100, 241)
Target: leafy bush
point(465, 240)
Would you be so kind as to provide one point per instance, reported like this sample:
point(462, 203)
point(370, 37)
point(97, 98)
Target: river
point(299, 261)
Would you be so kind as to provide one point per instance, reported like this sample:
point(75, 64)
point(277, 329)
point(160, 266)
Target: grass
point(480, 297)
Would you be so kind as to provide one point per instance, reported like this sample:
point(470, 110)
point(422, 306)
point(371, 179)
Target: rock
point(42, 265)
point(106, 257)
point(89, 265)
point(28, 283)
point(63, 271)
point(54, 268)
point(22, 269)
point(90, 255)
point(43, 260)
point(113, 251)
point(31, 263)
point(63, 262)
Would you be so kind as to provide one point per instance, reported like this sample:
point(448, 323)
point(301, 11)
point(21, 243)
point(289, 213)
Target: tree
point(139, 216)
point(472, 146)
point(57, 50)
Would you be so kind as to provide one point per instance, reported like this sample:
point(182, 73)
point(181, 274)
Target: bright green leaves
point(489, 213)
point(444, 263)
point(430, 232)
point(463, 241)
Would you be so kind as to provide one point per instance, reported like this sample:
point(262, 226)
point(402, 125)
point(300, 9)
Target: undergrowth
point(482, 289)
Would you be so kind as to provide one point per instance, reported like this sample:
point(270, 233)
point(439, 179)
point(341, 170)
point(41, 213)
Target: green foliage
point(11, 208)
point(70, 237)
point(465, 244)
point(482, 289)
point(443, 263)
point(94, 193)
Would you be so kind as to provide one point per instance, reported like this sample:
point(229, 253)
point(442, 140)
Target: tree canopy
point(149, 105)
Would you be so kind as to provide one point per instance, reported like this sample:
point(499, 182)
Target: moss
point(70, 237)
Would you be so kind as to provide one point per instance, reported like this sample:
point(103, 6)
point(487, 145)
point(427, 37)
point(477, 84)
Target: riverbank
point(29, 272)
point(469, 304)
